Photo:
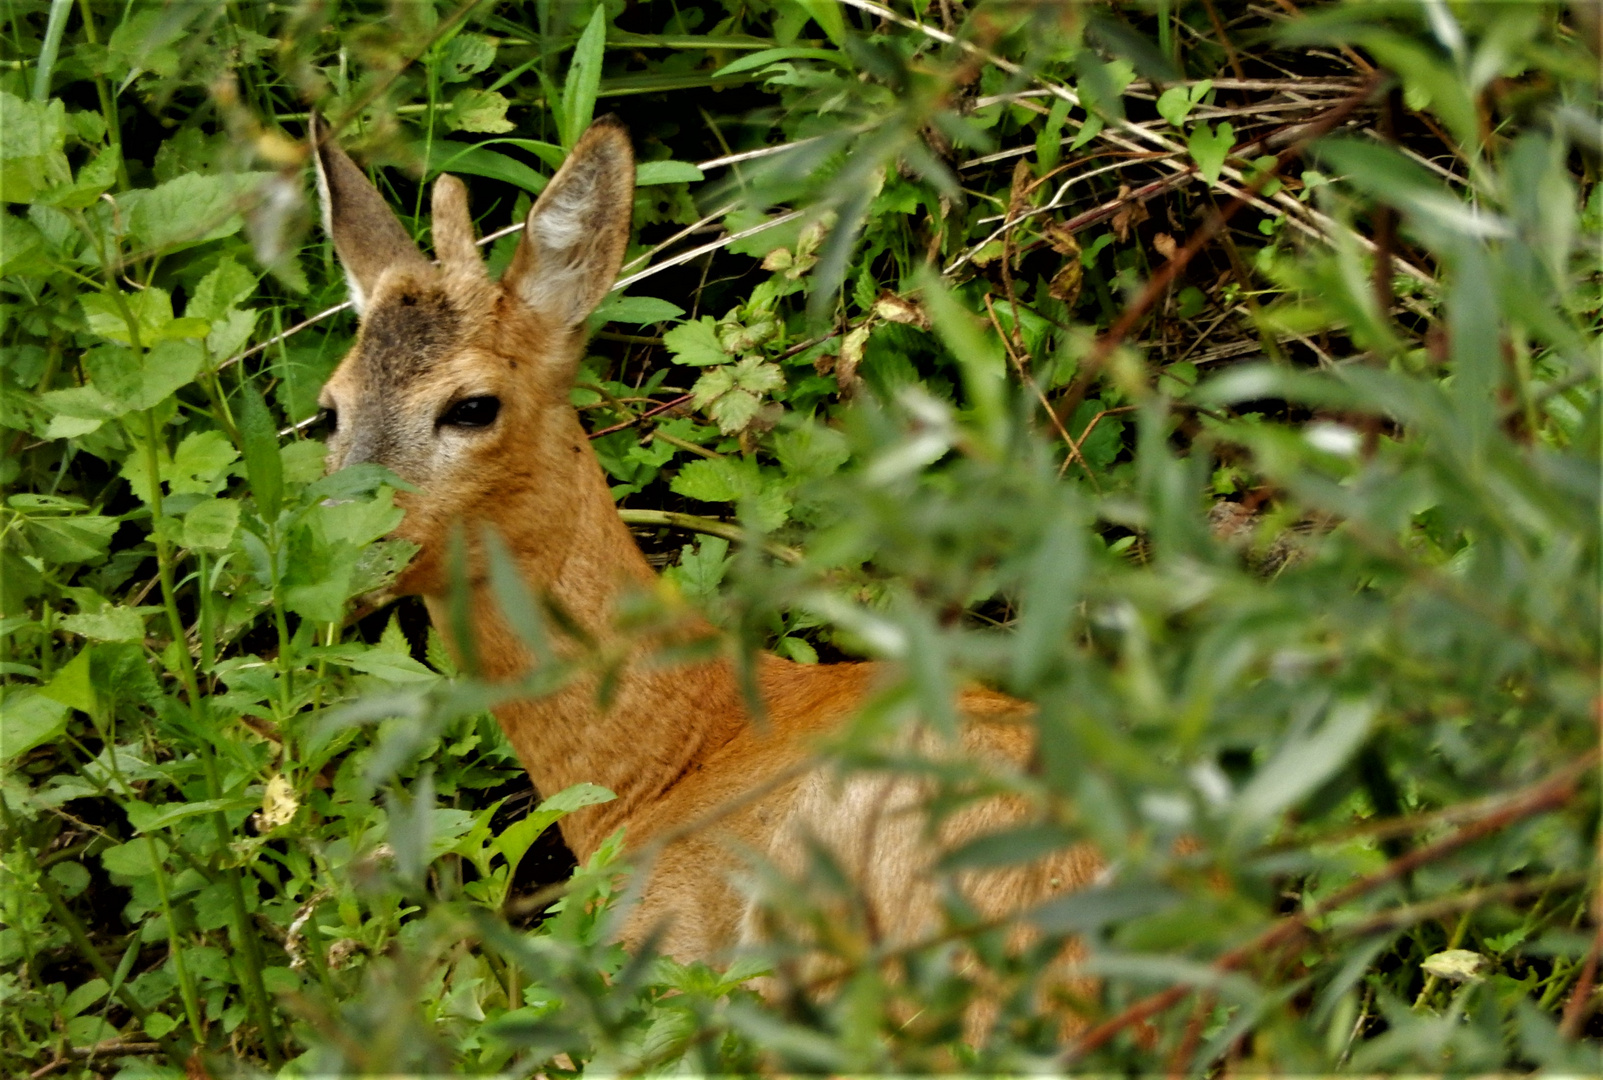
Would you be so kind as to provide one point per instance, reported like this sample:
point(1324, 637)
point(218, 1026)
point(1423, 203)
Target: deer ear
point(574, 239)
point(368, 237)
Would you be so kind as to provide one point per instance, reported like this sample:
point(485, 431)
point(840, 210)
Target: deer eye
point(471, 412)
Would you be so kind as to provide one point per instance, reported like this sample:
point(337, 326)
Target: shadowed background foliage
point(1219, 376)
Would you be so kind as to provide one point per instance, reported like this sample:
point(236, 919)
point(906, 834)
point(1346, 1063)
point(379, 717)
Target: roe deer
point(460, 385)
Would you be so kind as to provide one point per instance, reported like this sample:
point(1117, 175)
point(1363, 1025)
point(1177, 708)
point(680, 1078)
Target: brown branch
point(1576, 1010)
point(1166, 274)
point(1549, 794)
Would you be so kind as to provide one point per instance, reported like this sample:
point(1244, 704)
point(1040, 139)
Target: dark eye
point(471, 412)
point(331, 420)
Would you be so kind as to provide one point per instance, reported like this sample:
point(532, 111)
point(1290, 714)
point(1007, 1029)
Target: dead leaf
point(1165, 245)
point(851, 354)
point(1065, 285)
point(1455, 965)
point(1062, 239)
point(1129, 215)
point(1019, 195)
point(897, 309)
point(278, 805)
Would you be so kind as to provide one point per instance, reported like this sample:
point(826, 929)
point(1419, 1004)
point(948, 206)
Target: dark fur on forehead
point(408, 331)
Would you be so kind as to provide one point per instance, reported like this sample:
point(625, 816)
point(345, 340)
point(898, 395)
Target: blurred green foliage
point(1296, 555)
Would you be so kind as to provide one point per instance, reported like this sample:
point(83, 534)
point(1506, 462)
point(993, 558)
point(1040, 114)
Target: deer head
point(457, 383)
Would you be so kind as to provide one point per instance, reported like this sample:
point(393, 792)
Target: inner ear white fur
point(325, 202)
point(574, 237)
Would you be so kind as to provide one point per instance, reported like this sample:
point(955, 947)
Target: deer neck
point(659, 721)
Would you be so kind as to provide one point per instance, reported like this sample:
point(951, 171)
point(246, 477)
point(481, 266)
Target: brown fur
point(676, 744)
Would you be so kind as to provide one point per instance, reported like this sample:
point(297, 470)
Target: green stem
point(108, 104)
point(256, 1000)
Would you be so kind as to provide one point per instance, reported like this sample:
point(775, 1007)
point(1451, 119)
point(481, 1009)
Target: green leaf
point(979, 356)
point(465, 55)
point(709, 480)
point(1174, 104)
point(1209, 147)
point(640, 310)
point(478, 110)
point(648, 173)
point(584, 78)
point(190, 209)
point(29, 719)
point(758, 376)
point(220, 291)
point(1391, 177)
point(829, 17)
point(753, 61)
point(734, 410)
point(151, 309)
point(32, 157)
point(701, 569)
point(210, 525)
point(133, 859)
point(73, 685)
point(1302, 764)
point(110, 623)
point(262, 463)
point(200, 464)
point(454, 157)
point(696, 343)
point(141, 380)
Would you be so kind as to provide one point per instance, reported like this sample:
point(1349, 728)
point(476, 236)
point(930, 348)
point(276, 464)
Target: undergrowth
point(1220, 377)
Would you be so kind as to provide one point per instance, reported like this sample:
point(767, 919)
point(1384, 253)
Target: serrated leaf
point(262, 464)
point(696, 343)
point(190, 209)
point(110, 623)
point(210, 525)
point(757, 376)
point(465, 55)
point(220, 291)
point(478, 110)
point(734, 410)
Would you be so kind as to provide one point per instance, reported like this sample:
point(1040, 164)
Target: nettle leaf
point(140, 380)
point(220, 291)
point(696, 343)
point(29, 719)
point(757, 376)
point(110, 623)
point(150, 310)
point(200, 464)
point(1209, 147)
point(190, 209)
point(734, 410)
point(32, 157)
point(478, 110)
point(710, 480)
point(702, 569)
point(465, 55)
point(210, 525)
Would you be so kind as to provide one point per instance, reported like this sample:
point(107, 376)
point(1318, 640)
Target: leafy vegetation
point(1220, 377)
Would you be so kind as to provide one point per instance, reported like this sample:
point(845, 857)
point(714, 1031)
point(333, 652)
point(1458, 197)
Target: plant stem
point(244, 940)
